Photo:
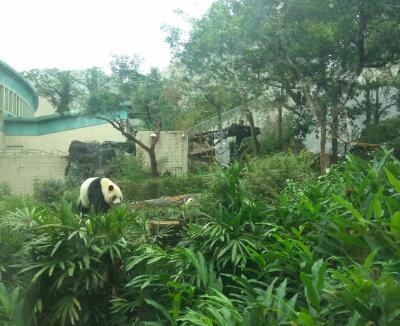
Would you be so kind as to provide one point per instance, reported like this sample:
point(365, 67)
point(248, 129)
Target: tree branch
point(158, 133)
point(387, 106)
point(119, 126)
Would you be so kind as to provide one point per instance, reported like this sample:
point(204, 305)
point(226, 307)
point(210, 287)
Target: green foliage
point(52, 191)
point(325, 254)
point(213, 309)
point(143, 95)
point(190, 118)
point(369, 297)
point(268, 176)
point(138, 185)
point(296, 53)
point(59, 87)
point(135, 190)
point(270, 141)
point(72, 264)
point(129, 168)
point(385, 132)
point(13, 310)
point(5, 190)
point(199, 98)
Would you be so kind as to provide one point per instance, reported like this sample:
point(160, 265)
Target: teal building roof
point(13, 80)
point(36, 126)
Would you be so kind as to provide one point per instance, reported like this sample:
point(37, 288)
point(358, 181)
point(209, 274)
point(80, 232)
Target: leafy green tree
point(59, 87)
point(201, 94)
point(93, 79)
point(216, 51)
point(323, 48)
point(376, 93)
point(141, 96)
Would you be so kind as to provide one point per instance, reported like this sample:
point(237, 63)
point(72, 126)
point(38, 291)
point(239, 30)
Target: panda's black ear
point(110, 188)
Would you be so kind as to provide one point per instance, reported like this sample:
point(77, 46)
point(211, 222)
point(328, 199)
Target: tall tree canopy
point(141, 96)
point(312, 51)
point(57, 86)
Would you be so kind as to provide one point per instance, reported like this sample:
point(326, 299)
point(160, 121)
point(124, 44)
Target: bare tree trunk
point(219, 118)
point(323, 157)
point(322, 143)
point(153, 163)
point(119, 124)
point(334, 133)
point(256, 143)
point(376, 107)
point(280, 131)
point(368, 109)
point(320, 114)
point(249, 116)
point(152, 151)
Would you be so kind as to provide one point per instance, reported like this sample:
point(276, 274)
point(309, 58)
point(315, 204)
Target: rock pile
point(91, 159)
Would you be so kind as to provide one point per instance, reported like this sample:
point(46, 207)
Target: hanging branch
point(120, 126)
point(358, 144)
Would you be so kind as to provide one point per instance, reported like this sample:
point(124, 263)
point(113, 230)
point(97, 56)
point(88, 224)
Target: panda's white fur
point(99, 194)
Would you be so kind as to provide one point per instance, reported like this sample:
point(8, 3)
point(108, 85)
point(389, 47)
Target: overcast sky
point(78, 34)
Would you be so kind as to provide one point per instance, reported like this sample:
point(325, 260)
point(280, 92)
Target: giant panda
point(99, 194)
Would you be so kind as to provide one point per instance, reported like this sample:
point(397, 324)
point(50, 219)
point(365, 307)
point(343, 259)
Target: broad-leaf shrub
point(326, 253)
point(384, 132)
point(71, 265)
point(350, 219)
point(230, 230)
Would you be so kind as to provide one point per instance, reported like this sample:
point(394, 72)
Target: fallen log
point(174, 224)
point(156, 223)
point(366, 145)
point(165, 201)
point(359, 144)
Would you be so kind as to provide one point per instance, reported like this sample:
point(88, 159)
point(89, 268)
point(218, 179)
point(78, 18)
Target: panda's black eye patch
point(114, 198)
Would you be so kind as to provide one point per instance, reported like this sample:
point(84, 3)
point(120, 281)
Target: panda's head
point(112, 193)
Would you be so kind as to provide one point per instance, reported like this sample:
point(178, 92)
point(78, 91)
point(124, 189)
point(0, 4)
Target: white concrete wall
point(60, 141)
point(2, 135)
point(171, 151)
point(2, 139)
point(44, 108)
point(19, 169)
point(352, 131)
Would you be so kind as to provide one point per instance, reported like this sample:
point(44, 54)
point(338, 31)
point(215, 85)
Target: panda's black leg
point(83, 209)
point(102, 208)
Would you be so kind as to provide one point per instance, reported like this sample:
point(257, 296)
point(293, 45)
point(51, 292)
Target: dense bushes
point(269, 138)
point(68, 265)
point(48, 191)
point(326, 254)
point(135, 190)
point(138, 185)
point(385, 132)
point(267, 176)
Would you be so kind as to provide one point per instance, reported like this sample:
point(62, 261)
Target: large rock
point(90, 159)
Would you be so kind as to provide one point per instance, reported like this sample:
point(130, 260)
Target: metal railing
point(211, 123)
point(22, 151)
